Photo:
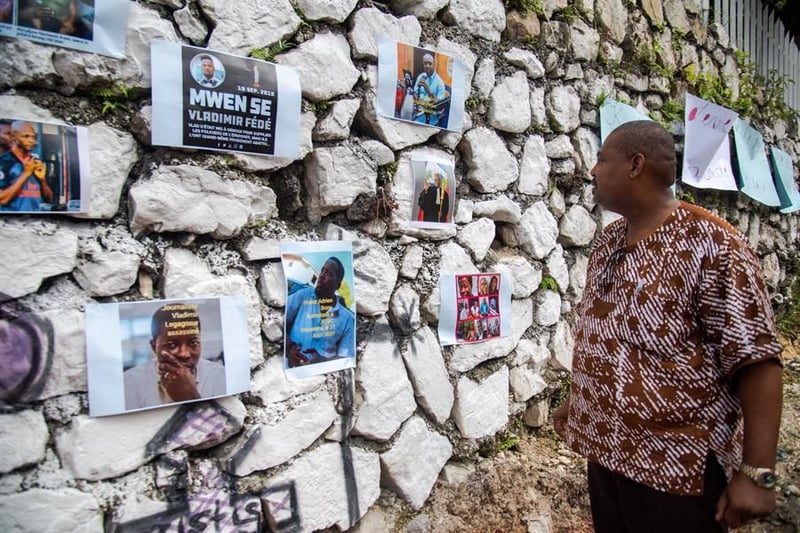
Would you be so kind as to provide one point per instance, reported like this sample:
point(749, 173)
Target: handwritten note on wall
point(613, 114)
point(784, 180)
point(706, 155)
point(751, 159)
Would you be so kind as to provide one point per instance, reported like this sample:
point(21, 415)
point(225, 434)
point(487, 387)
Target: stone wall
point(169, 223)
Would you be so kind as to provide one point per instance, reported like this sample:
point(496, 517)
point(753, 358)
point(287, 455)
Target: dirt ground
point(539, 485)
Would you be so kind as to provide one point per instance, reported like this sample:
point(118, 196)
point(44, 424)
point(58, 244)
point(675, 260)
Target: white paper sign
point(320, 319)
point(751, 159)
point(707, 153)
point(97, 26)
point(142, 355)
point(216, 101)
point(46, 168)
point(421, 86)
point(474, 307)
point(784, 180)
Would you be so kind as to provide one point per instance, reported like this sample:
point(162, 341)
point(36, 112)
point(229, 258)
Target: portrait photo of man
point(23, 183)
point(176, 370)
point(319, 323)
point(421, 85)
point(434, 203)
point(207, 71)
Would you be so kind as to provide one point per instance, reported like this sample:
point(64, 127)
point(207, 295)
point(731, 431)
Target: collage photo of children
point(478, 307)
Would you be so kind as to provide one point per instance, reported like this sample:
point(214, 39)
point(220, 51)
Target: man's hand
point(177, 379)
point(300, 357)
point(38, 169)
point(33, 167)
point(560, 419)
point(743, 500)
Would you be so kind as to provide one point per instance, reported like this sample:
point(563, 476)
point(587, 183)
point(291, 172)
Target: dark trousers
point(620, 505)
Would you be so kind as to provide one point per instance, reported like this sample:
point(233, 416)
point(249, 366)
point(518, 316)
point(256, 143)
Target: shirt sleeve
point(347, 342)
point(735, 309)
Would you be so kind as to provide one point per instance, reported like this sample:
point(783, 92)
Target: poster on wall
point(784, 180)
point(474, 307)
point(142, 355)
point(434, 193)
point(44, 167)
point(216, 101)
point(320, 321)
point(97, 26)
point(707, 150)
point(420, 85)
point(614, 114)
point(751, 160)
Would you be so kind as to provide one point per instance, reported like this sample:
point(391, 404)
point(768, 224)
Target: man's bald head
point(655, 143)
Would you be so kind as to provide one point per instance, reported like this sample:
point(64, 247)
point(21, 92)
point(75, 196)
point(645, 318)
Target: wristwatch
point(763, 477)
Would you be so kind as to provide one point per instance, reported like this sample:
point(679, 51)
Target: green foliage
point(759, 97)
point(708, 87)
point(268, 53)
point(508, 442)
point(602, 97)
point(386, 173)
point(672, 111)
point(526, 6)
point(570, 14)
point(678, 38)
point(548, 283)
point(112, 97)
point(320, 108)
point(788, 319)
point(473, 102)
point(650, 58)
point(686, 195)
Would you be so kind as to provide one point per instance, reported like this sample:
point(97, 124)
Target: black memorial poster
point(225, 102)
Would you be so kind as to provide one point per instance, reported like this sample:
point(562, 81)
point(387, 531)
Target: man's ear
point(153, 345)
point(637, 165)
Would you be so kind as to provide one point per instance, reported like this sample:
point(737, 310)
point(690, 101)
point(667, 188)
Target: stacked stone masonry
point(169, 223)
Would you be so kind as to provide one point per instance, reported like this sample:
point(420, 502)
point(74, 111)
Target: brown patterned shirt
point(664, 324)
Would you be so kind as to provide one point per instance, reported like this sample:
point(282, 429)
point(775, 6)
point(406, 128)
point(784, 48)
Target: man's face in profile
point(181, 349)
point(208, 68)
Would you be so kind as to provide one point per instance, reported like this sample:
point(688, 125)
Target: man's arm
point(760, 393)
point(11, 192)
point(39, 172)
point(560, 416)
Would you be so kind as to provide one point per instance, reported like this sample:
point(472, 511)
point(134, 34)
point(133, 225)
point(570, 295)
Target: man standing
point(5, 136)
point(429, 89)
point(434, 201)
point(22, 179)
point(319, 326)
point(178, 373)
point(676, 386)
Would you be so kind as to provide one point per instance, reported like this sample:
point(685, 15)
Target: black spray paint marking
point(208, 418)
point(279, 504)
point(26, 353)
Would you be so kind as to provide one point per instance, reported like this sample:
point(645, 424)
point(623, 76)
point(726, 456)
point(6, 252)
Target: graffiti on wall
point(26, 351)
point(216, 507)
point(198, 425)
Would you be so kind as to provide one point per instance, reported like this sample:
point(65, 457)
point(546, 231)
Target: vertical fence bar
point(760, 33)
